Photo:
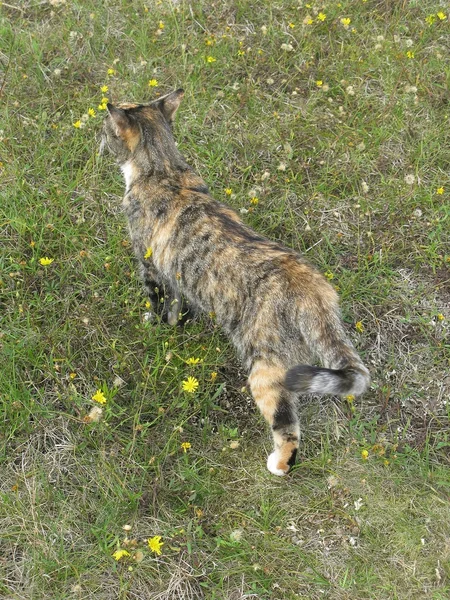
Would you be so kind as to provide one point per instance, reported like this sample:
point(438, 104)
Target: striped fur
point(278, 310)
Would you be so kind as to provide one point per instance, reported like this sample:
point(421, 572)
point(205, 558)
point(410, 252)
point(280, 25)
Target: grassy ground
point(341, 130)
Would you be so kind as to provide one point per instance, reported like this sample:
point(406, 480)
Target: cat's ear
point(119, 118)
point(169, 104)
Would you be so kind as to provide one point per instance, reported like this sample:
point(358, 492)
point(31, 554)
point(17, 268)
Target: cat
point(280, 313)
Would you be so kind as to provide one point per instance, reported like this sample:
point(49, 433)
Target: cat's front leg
point(166, 303)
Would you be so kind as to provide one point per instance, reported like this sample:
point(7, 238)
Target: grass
point(348, 171)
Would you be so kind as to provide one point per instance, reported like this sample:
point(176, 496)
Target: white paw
point(272, 465)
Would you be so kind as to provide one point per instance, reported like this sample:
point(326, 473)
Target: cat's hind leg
point(278, 408)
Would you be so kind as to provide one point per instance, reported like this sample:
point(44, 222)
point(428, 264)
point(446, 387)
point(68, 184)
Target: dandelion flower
point(228, 191)
point(410, 54)
point(410, 179)
point(192, 361)
point(153, 83)
point(155, 544)
point(440, 191)
point(345, 21)
point(440, 317)
point(186, 446)
point(213, 376)
point(329, 275)
point(190, 385)
point(102, 106)
point(359, 327)
point(104, 89)
point(77, 124)
point(149, 253)
point(105, 100)
point(364, 454)
point(210, 59)
point(161, 25)
point(45, 261)
point(111, 72)
point(430, 19)
point(291, 25)
point(319, 83)
point(120, 553)
point(91, 112)
point(350, 397)
point(321, 16)
point(94, 415)
point(99, 397)
point(307, 20)
point(441, 16)
point(254, 200)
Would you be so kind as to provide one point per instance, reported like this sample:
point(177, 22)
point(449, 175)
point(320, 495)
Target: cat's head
point(141, 131)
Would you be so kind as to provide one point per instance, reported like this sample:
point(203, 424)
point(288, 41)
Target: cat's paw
point(276, 466)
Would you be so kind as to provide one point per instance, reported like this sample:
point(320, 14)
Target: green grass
point(348, 172)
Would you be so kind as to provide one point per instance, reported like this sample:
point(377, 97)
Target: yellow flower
point(105, 100)
point(213, 376)
point(102, 107)
point(148, 304)
point(155, 544)
point(161, 25)
point(46, 261)
point(440, 317)
point(359, 326)
point(430, 19)
point(104, 89)
point(441, 16)
point(210, 59)
point(153, 83)
point(77, 124)
point(410, 54)
point(190, 385)
point(72, 375)
point(111, 72)
point(440, 191)
point(120, 553)
point(192, 361)
point(350, 398)
point(228, 191)
point(254, 200)
point(319, 83)
point(345, 22)
point(186, 446)
point(149, 253)
point(364, 454)
point(91, 112)
point(99, 397)
point(321, 16)
point(308, 21)
point(291, 25)
point(329, 275)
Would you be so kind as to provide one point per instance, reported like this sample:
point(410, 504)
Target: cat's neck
point(181, 177)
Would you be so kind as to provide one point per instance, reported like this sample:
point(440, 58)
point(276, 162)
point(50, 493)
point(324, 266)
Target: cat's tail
point(344, 372)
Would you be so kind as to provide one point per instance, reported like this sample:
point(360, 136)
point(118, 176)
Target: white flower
point(364, 187)
point(350, 90)
point(409, 43)
point(281, 167)
point(287, 47)
point(264, 30)
point(410, 179)
point(358, 503)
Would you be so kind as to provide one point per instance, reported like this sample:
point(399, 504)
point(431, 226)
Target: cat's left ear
point(169, 104)
point(119, 118)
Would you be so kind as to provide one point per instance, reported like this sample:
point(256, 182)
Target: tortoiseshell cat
point(278, 310)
